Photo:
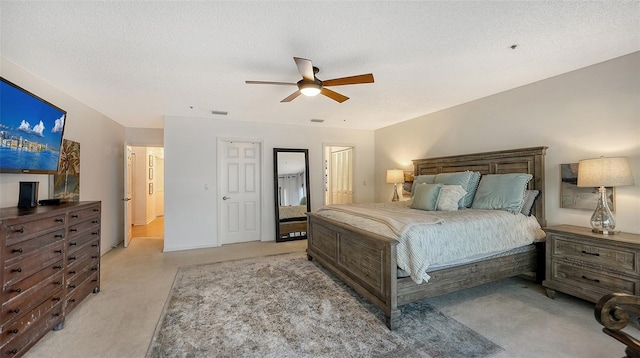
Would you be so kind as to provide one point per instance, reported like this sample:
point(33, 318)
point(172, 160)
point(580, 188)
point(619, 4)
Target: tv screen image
point(31, 131)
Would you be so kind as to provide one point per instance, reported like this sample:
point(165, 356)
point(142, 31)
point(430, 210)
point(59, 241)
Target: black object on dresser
point(589, 265)
point(51, 262)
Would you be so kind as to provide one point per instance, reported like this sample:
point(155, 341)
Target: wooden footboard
point(363, 260)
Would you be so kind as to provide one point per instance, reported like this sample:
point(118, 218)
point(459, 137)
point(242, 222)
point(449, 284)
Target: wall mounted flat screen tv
point(31, 131)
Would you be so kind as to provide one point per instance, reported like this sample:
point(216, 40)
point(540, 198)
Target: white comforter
point(444, 236)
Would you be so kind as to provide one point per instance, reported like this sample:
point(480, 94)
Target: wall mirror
point(291, 189)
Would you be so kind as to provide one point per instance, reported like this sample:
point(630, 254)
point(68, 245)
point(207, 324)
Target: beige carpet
point(286, 306)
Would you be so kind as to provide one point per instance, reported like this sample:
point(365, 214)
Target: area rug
point(287, 306)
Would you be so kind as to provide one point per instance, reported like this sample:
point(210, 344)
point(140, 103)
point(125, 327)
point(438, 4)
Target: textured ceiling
point(138, 61)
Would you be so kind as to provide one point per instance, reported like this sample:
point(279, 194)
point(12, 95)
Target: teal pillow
point(426, 197)
point(468, 180)
point(422, 179)
point(530, 197)
point(501, 192)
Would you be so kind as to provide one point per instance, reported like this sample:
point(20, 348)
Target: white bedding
point(447, 236)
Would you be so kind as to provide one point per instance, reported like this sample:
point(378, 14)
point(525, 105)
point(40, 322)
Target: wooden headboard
point(524, 160)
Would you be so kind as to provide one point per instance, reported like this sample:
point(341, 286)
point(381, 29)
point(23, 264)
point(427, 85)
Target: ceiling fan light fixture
point(310, 89)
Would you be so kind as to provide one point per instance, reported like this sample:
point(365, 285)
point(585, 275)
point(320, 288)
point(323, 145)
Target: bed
point(367, 261)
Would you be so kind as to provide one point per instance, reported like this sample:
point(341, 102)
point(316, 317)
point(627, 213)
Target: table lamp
point(395, 176)
point(604, 172)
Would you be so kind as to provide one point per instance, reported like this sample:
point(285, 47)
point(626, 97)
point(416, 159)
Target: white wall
point(587, 113)
point(190, 164)
point(101, 154)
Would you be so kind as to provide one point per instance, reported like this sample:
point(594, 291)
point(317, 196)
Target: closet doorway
point(147, 199)
point(338, 174)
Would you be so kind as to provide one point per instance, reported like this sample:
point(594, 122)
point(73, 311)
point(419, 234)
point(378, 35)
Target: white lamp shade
point(395, 176)
point(604, 172)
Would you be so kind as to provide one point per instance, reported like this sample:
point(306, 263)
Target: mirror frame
point(275, 188)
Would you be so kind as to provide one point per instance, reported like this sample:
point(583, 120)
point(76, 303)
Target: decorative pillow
point(468, 180)
point(450, 195)
point(501, 192)
point(422, 179)
point(426, 196)
point(530, 197)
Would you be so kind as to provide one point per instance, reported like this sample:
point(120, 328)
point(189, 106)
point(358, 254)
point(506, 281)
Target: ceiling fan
point(310, 85)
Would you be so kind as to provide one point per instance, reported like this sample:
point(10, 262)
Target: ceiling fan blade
point(292, 96)
point(269, 83)
point(334, 95)
point(351, 80)
point(305, 67)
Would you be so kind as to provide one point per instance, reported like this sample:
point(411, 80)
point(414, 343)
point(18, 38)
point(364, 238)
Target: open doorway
point(147, 193)
point(339, 172)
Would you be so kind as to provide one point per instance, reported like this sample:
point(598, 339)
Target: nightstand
point(584, 264)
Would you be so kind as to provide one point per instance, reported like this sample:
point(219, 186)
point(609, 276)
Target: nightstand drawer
point(580, 276)
point(607, 257)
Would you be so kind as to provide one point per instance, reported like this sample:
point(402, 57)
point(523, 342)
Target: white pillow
point(450, 195)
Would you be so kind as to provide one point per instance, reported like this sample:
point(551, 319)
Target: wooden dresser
point(51, 261)
point(589, 265)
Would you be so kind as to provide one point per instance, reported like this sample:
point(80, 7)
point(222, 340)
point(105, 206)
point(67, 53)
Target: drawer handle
point(94, 257)
point(71, 286)
point(73, 243)
point(57, 267)
point(58, 236)
point(94, 233)
point(56, 298)
point(57, 283)
point(590, 279)
point(59, 220)
point(16, 311)
point(72, 300)
point(96, 210)
point(18, 251)
point(72, 272)
point(14, 331)
point(94, 280)
point(94, 245)
point(591, 253)
point(94, 269)
point(20, 230)
point(72, 258)
point(13, 351)
point(18, 290)
point(19, 269)
point(75, 216)
point(73, 230)
point(57, 314)
point(94, 221)
point(58, 251)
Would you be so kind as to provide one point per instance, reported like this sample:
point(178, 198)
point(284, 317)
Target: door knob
point(225, 198)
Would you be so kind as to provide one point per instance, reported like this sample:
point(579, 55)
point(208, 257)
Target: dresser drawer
point(607, 257)
point(44, 290)
point(580, 277)
point(30, 283)
point(86, 252)
point(26, 230)
point(26, 248)
point(81, 240)
point(81, 228)
point(27, 265)
point(84, 289)
point(75, 278)
point(49, 309)
point(30, 335)
point(83, 214)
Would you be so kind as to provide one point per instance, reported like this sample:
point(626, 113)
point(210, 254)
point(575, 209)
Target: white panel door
point(128, 186)
point(239, 175)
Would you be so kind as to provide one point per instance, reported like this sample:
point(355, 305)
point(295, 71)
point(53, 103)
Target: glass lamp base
point(395, 193)
point(602, 220)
